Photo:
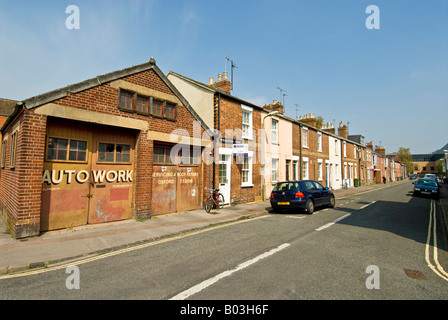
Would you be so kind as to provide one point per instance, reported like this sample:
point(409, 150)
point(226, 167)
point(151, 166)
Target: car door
point(311, 191)
point(324, 194)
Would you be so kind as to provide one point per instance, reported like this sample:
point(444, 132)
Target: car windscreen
point(427, 182)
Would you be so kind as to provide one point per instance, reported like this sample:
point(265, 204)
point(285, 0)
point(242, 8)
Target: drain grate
point(415, 274)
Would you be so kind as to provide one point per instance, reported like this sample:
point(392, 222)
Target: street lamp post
point(270, 114)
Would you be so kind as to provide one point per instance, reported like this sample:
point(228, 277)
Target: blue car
point(304, 194)
point(426, 187)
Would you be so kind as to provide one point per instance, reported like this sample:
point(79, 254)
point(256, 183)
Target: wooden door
point(112, 175)
point(65, 193)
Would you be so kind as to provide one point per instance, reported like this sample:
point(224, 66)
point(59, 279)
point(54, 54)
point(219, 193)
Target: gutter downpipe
point(216, 136)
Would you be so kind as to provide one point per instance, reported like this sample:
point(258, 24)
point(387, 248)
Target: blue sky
point(389, 84)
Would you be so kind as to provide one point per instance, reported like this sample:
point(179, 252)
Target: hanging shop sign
point(240, 149)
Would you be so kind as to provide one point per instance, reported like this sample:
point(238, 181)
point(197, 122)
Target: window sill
point(247, 185)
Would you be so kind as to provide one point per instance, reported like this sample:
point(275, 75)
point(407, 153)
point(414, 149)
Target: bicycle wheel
point(208, 204)
point(220, 203)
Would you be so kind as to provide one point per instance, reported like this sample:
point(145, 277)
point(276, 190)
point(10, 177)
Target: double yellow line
point(437, 268)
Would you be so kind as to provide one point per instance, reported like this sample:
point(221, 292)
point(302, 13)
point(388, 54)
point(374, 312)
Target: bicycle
point(214, 199)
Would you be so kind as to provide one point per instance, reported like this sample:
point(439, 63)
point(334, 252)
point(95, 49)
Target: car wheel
point(332, 202)
point(310, 206)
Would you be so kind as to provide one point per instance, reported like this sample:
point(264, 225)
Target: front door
point(224, 176)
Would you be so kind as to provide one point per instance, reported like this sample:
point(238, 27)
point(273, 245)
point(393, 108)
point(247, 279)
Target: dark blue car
point(303, 194)
point(426, 187)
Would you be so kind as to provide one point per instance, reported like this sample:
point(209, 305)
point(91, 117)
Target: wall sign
point(82, 176)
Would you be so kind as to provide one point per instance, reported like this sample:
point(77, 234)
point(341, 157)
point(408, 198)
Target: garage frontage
point(88, 153)
point(88, 174)
point(176, 179)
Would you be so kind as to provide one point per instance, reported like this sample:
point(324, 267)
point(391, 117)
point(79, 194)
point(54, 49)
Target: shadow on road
point(406, 219)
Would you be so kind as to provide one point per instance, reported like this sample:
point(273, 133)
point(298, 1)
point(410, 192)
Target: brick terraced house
point(237, 123)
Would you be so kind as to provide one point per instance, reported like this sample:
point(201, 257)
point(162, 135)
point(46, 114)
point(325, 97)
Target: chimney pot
point(219, 77)
point(224, 74)
point(210, 81)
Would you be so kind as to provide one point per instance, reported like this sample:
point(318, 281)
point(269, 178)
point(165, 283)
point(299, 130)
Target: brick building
point(122, 145)
point(237, 124)
point(315, 150)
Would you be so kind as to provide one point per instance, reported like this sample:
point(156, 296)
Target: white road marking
point(367, 205)
point(332, 223)
point(204, 284)
point(325, 226)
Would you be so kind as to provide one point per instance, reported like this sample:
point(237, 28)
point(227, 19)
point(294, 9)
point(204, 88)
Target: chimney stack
point(223, 83)
point(380, 150)
point(274, 106)
point(343, 131)
point(329, 127)
point(309, 120)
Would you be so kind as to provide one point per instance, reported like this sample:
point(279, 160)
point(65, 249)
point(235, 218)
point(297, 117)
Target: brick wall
point(230, 117)
point(21, 186)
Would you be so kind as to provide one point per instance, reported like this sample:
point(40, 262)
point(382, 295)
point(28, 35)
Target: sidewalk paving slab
point(18, 255)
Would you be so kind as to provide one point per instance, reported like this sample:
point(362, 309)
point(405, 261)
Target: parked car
point(426, 187)
point(413, 176)
point(430, 176)
point(304, 194)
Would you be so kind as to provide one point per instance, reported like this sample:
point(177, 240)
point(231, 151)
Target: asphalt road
point(376, 245)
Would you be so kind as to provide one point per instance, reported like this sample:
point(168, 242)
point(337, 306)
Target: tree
point(319, 122)
point(404, 154)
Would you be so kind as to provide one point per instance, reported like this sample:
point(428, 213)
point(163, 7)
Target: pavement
point(61, 246)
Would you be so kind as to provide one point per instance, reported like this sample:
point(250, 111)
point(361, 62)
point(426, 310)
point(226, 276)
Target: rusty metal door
point(164, 189)
point(175, 189)
point(188, 192)
point(112, 175)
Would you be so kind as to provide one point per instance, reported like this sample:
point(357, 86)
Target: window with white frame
point(354, 152)
point(295, 170)
point(305, 166)
point(305, 137)
point(274, 170)
point(319, 141)
point(344, 150)
point(274, 130)
point(246, 171)
point(319, 170)
point(247, 122)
